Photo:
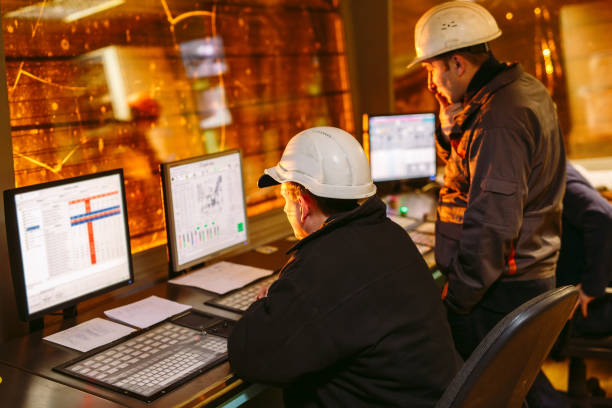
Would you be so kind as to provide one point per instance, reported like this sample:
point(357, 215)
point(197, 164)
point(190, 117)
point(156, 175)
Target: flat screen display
point(205, 207)
point(402, 147)
point(68, 240)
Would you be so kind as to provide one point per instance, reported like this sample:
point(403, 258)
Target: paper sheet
point(146, 312)
point(222, 277)
point(91, 334)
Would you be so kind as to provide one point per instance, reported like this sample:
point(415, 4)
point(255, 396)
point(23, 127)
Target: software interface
point(207, 206)
point(73, 240)
point(402, 146)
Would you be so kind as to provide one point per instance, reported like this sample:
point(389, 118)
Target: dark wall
point(368, 37)
point(9, 324)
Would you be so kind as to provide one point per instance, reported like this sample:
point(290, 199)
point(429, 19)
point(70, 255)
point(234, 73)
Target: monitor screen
point(68, 241)
point(402, 147)
point(205, 207)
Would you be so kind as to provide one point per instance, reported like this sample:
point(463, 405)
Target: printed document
point(91, 334)
point(222, 277)
point(146, 312)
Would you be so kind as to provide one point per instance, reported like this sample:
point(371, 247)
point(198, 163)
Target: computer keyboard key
point(148, 373)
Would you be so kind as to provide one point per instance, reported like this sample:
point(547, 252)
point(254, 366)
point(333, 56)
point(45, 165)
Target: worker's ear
point(305, 202)
point(458, 64)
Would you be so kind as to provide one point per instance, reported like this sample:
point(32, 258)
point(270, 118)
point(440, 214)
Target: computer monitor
point(402, 147)
point(205, 208)
point(68, 241)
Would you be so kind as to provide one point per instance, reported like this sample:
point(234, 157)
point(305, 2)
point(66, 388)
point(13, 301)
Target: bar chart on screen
point(96, 211)
point(70, 237)
point(208, 208)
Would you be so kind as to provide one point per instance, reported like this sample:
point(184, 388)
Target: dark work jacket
point(586, 244)
point(355, 320)
point(499, 211)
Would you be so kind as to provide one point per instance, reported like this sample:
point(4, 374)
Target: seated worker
point(355, 318)
point(586, 253)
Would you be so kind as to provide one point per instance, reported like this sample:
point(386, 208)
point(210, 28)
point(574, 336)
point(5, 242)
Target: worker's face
point(443, 81)
point(293, 210)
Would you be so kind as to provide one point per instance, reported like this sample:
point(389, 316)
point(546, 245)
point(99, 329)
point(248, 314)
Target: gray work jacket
point(499, 211)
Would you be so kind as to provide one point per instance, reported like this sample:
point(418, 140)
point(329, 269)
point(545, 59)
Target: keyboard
point(427, 227)
point(423, 249)
point(422, 238)
point(421, 233)
point(240, 300)
point(404, 222)
point(151, 363)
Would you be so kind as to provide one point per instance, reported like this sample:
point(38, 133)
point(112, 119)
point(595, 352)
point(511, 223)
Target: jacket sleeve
point(587, 210)
point(442, 144)
point(499, 168)
point(279, 338)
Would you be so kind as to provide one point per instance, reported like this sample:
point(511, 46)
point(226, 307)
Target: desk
point(418, 206)
point(22, 389)
point(31, 359)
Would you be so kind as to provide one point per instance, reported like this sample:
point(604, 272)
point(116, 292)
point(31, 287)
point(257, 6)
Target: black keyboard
point(148, 364)
point(422, 238)
point(421, 233)
point(239, 300)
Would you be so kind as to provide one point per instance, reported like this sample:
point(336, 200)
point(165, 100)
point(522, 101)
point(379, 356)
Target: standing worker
point(499, 212)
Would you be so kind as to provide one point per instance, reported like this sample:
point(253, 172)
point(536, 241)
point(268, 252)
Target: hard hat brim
point(415, 62)
point(266, 181)
point(466, 44)
point(275, 176)
point(311, 159)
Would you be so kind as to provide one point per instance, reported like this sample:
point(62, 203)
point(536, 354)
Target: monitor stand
point(39, 324)
point(172, 274)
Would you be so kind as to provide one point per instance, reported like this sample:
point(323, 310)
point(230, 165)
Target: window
point(101, 84)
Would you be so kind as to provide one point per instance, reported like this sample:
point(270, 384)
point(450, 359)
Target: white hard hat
point(328, 161)
point(451, 26)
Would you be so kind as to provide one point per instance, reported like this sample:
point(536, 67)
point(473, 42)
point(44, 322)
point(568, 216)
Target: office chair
point(501, 370)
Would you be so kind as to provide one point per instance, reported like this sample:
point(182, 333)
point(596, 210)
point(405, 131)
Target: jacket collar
point(485, 73)
point(372, 208)
point(495, 76)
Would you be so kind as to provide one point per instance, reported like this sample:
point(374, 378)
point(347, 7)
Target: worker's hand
point(448, 110)
point(262, 292)
point(447, 116)
point(584, 300)
point(442, 100)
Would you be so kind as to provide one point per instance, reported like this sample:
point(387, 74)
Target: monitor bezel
point(416, 181)
point(169, 213)
point(16, 256)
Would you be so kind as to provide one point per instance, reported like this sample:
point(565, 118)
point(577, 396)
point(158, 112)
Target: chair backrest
point(501, 370)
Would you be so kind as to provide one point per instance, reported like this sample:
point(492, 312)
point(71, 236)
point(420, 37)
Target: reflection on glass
point(204, 66)
point(64, 10)
point(95, 85)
